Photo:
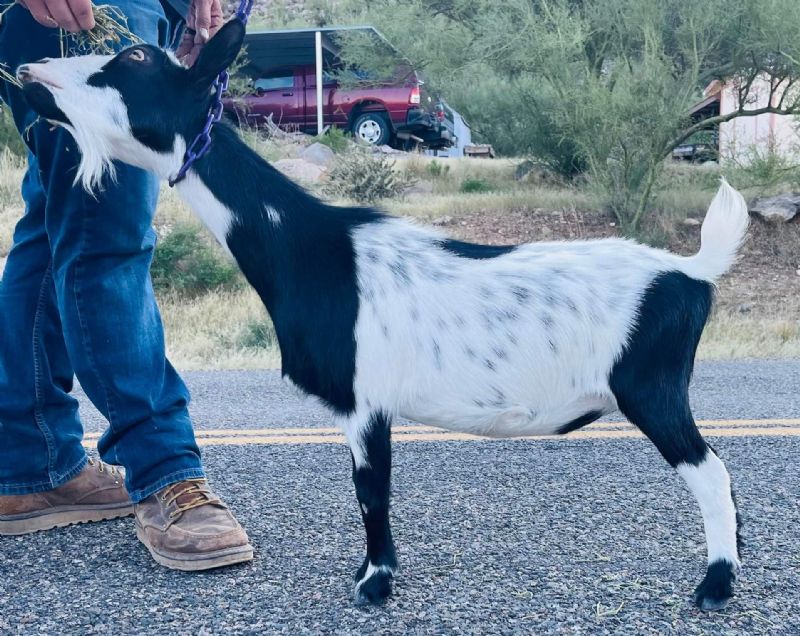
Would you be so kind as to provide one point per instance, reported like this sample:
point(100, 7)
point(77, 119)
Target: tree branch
point(721, 119)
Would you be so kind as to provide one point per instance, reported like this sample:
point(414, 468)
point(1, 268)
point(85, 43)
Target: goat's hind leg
point(370, 445)
point(651, 384)
point(665, 418)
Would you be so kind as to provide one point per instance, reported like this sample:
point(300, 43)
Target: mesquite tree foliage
point(601, 87)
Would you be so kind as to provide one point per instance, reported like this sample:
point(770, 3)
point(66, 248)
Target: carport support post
point(318, 55)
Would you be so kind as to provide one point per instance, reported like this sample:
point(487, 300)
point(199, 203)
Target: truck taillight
point(414, 98)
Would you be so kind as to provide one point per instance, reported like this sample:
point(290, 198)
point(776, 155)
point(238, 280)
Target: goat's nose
point(24, 73)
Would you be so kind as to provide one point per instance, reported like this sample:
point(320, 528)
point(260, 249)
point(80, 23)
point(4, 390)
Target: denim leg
point(39, 426)
point(96, 269)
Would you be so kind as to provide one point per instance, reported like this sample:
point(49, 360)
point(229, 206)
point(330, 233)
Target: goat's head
point(140, 106)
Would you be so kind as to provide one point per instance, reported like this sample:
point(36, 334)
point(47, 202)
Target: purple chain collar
point(199, 147)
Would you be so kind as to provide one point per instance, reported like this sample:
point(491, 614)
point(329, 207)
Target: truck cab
point(397, 112)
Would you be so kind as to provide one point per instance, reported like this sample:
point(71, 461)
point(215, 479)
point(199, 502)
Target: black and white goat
point(379, 317)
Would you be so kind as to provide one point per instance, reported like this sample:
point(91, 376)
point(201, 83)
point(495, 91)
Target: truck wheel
point(372, 129)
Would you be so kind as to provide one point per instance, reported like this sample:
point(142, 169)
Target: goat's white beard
point(96, 158)
point(97, 131)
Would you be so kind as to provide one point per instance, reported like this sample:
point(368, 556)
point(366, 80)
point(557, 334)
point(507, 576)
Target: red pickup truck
point(397, 113)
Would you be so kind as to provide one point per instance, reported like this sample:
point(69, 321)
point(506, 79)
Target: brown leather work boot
point(94, 494)
point(186, 527)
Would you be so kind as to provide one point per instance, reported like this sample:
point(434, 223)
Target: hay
point(4, 8)
point(8, 77)
point(109, 33)
point(5, 76)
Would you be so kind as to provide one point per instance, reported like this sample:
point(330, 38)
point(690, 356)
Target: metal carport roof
point(273, 49)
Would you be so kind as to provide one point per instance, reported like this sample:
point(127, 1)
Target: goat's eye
point(137, 55)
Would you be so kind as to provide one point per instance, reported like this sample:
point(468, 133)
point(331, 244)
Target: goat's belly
point(514, 420)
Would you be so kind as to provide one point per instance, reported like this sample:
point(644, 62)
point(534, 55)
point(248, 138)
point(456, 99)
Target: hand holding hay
point(109, 33)
point(85, 28)
point(71, 15)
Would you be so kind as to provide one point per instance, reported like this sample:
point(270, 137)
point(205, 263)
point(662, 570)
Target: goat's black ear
point(219, 53)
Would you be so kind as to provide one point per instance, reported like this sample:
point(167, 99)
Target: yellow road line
point(603, 430)
point(249, 432)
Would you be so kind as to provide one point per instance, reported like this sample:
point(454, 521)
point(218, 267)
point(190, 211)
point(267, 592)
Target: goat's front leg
point(370, 446)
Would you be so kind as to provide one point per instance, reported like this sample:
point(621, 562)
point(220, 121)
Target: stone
point(781, 208)
point(318, 154)
point(442, 220)
point(524, 169)
point(691, 222)
point(300, 170)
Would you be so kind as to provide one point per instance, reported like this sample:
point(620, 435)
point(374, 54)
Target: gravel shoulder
point(503, 537)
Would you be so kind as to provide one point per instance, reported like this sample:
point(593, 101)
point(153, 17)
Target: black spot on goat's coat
point(475, 251)
point(579, 422)
point(650, 381)
point(313, 302)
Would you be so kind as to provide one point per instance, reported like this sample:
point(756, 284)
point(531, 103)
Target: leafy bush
point(336, 139)
point(765, 168)
point(186, 263)
point(437, 170)
point(9, 137)
point(361, 176)
point(258, 334)
point(474, 186)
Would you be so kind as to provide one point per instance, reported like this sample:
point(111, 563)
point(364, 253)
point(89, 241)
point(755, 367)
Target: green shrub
point(186, 263)
point(474, 186)
point(361, 176)
point(764, 169)
point(9, 137)
point(437, 170)
point(336, 139)
point(258, 334)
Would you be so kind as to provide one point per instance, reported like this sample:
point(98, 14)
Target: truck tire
point(372, 129)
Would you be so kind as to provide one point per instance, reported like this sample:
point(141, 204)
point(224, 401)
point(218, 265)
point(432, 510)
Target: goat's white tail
point(721, 236)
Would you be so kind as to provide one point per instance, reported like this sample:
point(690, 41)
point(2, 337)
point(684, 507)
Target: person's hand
point(71, 15)
point(203, 21)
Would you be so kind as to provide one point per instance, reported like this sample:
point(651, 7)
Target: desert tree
point(595, 87)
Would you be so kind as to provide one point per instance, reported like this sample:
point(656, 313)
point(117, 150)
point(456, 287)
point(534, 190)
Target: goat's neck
point(284, 240)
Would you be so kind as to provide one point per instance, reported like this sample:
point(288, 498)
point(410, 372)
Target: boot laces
point(103, 467)
point(188, 494)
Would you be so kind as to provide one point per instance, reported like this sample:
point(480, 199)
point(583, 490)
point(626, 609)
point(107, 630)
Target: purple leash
point(199, 147)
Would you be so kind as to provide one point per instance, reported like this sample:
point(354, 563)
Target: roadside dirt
point(765, 282)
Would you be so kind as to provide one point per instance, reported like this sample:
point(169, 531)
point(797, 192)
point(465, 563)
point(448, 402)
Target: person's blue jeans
point(76, 300)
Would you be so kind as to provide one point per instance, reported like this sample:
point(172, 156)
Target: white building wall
point(745, 137)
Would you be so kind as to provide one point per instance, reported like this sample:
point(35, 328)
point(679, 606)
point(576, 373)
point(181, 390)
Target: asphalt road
point(592, 535)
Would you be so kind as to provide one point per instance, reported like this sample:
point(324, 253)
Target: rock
point(420, 187)
point(524, 169)
point(689, 221)
point(442, 220)
point(783, 207)
point(744, 308)
point(318, 154)
point(300, 169)
point(387, 150)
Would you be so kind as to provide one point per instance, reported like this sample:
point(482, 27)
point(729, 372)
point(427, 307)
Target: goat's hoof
point(716, 588)
point(373, 583)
